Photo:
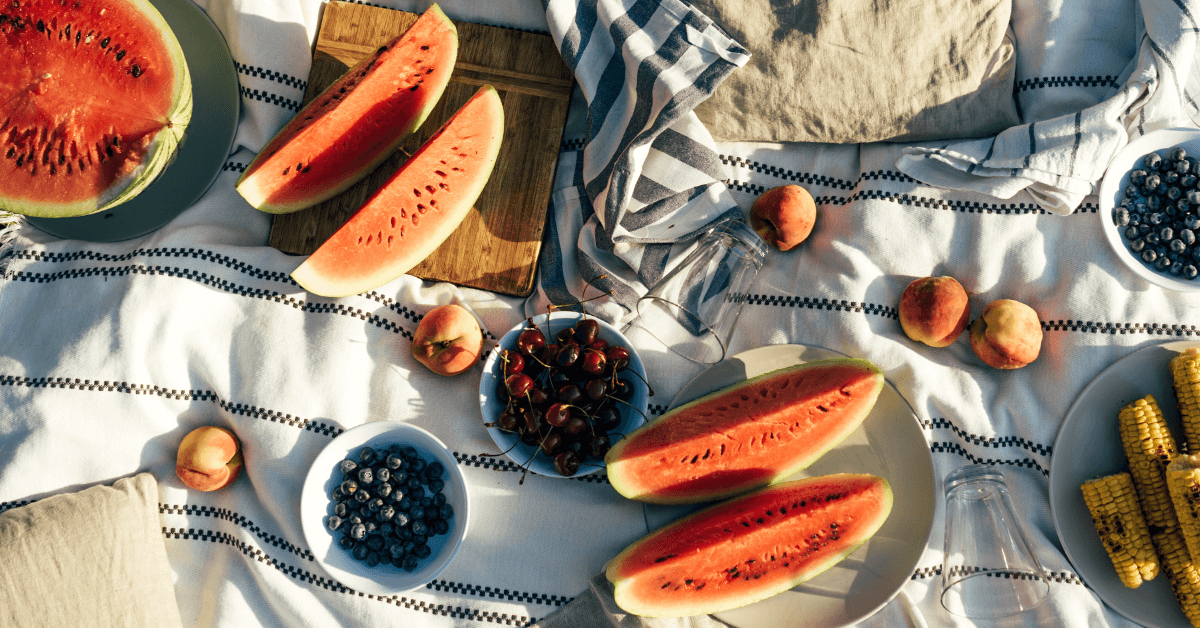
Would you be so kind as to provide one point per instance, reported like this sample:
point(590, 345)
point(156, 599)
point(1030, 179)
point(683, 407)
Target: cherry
point(597, 388)
point(514, 362)
point(538, 396)
point(530, 341)
point(568, 354)
point(621, 389)
point(593, 362)
point(548, 353)
point(600, 445)
point(507, 422)
point(608, 419)
point(618, 356)
point(518, 384)
point(599, 344)
point(557, 414)
point(570, 393)
point(586, 330)
point(552, 443)
point(566, 463)
point(575, 425)
point(531, 437)
point(565, 335)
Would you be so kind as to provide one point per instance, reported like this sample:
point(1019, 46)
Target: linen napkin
point(1061, 152)
point(858, 71)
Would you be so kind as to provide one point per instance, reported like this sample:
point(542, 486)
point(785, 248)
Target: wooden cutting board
point(496, 247)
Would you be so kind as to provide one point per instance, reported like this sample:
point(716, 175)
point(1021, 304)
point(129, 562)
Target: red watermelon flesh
point(746, 435)
point(749, 548)
point(356, 123)
point(95, 96)
point(416, 209)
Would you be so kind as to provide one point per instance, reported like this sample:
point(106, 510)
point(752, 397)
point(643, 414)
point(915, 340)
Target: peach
point(784, 216)
point(209, 458)
point(1007, 335)
point(448, 340)
point(934, 310)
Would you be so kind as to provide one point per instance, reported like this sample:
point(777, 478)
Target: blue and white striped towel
point(646, 177)
point(1061, 153)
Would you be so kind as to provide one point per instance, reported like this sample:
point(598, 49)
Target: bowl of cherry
point(559, 390)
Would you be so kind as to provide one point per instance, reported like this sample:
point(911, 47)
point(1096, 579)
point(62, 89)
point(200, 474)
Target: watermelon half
point(95, 96)
point(749, 548)
point(343, 134)
point(746, 435)
point(416, 209)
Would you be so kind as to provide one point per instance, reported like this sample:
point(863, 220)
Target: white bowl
point(1112, 188)
point(316, 506)
point(524, 455)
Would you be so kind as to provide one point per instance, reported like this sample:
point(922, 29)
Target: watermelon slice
point(94, 101)
point(751, 547)
point(416, 209)
point(343, 134)
point(753, 433)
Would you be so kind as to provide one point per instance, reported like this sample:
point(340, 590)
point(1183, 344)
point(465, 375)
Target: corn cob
point(1183, 481)
point(1185, 370)
point(1149, 447)
point(1113, 503)
point(1181, 572)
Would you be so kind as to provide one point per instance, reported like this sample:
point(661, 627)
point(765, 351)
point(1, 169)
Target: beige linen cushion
point(95, 558)
point(852, 71)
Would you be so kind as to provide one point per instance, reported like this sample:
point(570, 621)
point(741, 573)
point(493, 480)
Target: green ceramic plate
point(205, 148)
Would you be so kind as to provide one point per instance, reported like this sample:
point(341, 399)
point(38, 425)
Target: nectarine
point(934, 310)
point(209, 458)
point(784, 216)
point(448, 340)
point(1008, 335)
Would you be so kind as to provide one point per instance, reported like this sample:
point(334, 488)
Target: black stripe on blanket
point(271, 75)
point(168, 252)
point(237, 519)
point(274, 99)
point(235, 166)
point(475, 590)
point(912, 200)
point(1061, 577)
point(1044, 82)
point(988, 441)
point(305, 576)
point(334, 307)
point(955, 448)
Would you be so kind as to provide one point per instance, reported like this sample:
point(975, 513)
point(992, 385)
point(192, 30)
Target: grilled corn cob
point(1183, 481)
point(1113, 503)
point(1181, 572)
point(1185, 370)
point(1149, 447)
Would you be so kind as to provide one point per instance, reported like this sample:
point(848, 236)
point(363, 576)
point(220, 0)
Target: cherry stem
point(649, 389)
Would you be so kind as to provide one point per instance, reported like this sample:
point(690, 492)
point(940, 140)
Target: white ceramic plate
point(890, 444)
point(206, 146)
point(1112, 190)
point(491, 407)
point(1089, 446)
point(316, 506)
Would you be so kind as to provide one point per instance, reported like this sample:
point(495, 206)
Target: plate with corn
point(1124, 491)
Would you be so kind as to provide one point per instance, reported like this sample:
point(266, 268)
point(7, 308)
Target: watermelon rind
point(337, 121)
point(347, 263)
point(160, 151)
point(730, 552)
point(650, 475)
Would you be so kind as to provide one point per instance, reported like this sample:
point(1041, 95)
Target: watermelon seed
point(429, 188)
point(417, 192)
point(11, 151)
point(393, 220)
point(414, 88)
point(389, 241)
point(305, 169)
point(444, 186)
point(415, 219)
point(360, 239)
point(666, 585)
point(760, 520)
point(783, 510)
point(433, 203)
point(746, 524)
point(701, 586)
point(52, 171)
point(421, 208)
point(41, 26)
point(403, 214)
point(136, 71)
point(695, 458)
point(20, 160)
point(424, 47)
point(286, 170)
point(688, 581)
point(439, 173)
point(429, 71)
point(104, 42)
point(109, 151)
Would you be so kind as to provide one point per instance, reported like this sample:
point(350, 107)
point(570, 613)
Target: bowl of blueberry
point(384, 508)
point(559, 390)
point(1150, 208)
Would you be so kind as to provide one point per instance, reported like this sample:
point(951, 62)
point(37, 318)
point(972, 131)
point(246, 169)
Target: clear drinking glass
point(989, 569)
point(694, 308)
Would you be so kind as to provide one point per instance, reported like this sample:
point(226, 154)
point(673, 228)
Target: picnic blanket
point(110, 353)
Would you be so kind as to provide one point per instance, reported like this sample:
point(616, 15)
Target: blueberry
point(1191, 222)
point(395, 550)
point(1157, 218)
point(1152, 181)
point(362, 496)
point(383, 474)
point(1149, 255)
point(410, 563)
point(386, 529)
point(1137, 177)
point(1152, 161)
point(1188, 181)
point(414, 482)
point(394, 462)
point(1177, 268)
point(418, 526)
point(405, 504)
point(365, 476)
point(1178, 154)
point(1137, 245)
point(1145, 228)
point(1154, 203)
point(1182, 206)
point(1121, 216)
point(417, 513)
point(1162, 263)
point(422, 551)
point(346, 542)
point(418, 465)
point(1152, 238)
point(1174, 193)
point(1188, 236)
point(349, 487)
point(1189, 271)
point(387, 512)
point(1170, 177)
point(384, 489)
point(426, 502)
point(436, 486)
point(1135, 219)
point(375, 504)
point(408, 452)
point(373, 559)
point(340, 509)
point(354, 519)
point(445, 511)
point(400, 520)
point(375, 543)
point(371, 526)
point(1177, 246)
point(358, 531)
point(1193, 197)
point(435, 469)
point(366, 454)
point(399, 477)
point(1166, 233)
point(404, 533)
point(334, 522)
point(1140, 208)
point(347, 466)
point(440, 526)
point(439, 499)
